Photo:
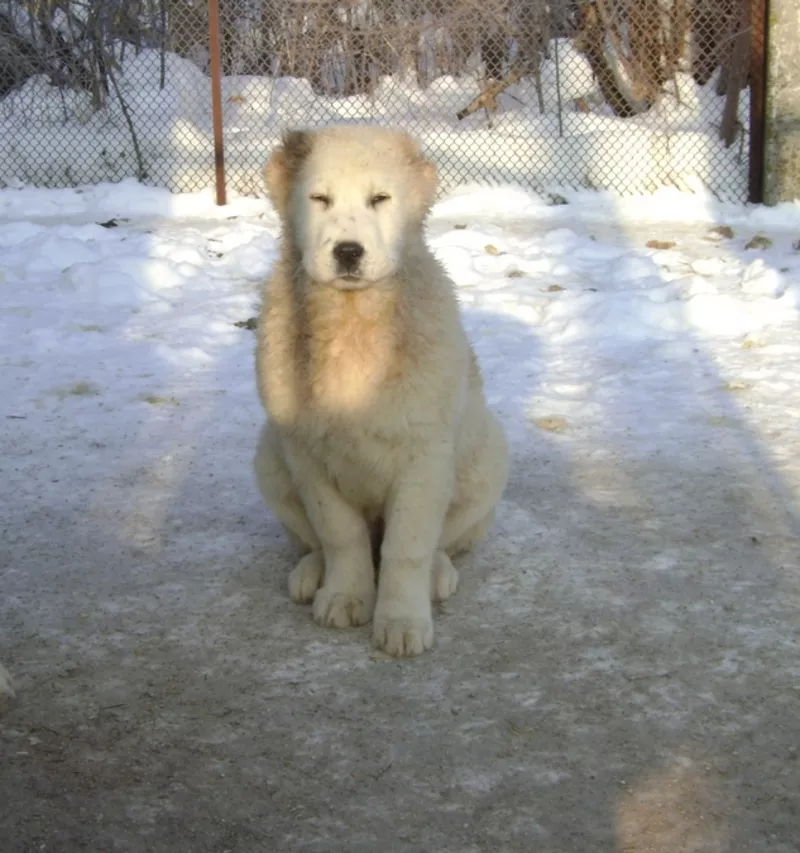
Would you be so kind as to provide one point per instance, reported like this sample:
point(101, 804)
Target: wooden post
point(216, 99)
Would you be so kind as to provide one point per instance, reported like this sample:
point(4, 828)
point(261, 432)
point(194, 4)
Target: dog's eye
point(377, 199)
point(321, 198)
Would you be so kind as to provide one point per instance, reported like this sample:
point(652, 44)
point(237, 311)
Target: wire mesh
point(627, 95)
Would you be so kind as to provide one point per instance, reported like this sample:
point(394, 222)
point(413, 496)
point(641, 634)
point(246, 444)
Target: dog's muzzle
point(348, 255)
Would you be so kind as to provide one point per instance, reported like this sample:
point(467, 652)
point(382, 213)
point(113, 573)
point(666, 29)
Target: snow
point(177, 271)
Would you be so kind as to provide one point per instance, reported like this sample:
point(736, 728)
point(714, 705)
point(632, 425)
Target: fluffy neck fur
point(351, 340)
point(347, 345)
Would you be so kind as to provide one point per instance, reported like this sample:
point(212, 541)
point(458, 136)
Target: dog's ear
point(428, 179)
point(425, 173)
point(283, 166)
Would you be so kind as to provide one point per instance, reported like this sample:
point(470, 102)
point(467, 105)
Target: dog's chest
point(353, 357)
point(362, 464)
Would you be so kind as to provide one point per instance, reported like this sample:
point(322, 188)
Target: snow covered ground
point(619, 669)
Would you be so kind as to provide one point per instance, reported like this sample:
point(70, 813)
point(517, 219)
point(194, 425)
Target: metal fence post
point(758, 91)
point(216, 99)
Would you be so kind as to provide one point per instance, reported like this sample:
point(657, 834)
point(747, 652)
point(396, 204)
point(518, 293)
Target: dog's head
point(349, 198)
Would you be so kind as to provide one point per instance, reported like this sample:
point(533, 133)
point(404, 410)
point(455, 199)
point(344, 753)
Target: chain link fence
point(627, 95)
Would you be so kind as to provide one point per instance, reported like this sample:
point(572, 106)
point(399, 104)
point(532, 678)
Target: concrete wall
point(782, 149)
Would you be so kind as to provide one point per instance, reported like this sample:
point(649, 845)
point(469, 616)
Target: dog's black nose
point(348, 253)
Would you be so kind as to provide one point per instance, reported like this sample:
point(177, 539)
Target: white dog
point(378, 448)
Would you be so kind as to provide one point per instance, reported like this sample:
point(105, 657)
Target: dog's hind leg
point(347, 595)
point(459, 537)
point(470, 537)
point(444, 577)
point(480, 483)
point(279, 492)
point(307, 577)
point(280, 495)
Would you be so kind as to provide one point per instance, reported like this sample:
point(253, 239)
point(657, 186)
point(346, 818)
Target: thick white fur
point(378, 435)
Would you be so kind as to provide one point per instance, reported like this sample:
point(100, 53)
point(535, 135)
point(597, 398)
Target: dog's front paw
point(444, 578)
point(336, 609)
point(306, 577)
point(402, 630)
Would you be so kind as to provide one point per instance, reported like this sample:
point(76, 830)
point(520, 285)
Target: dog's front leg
point(414, 515)
point(347, 596)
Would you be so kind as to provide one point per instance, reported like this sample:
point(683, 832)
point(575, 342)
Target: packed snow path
point(619, 669)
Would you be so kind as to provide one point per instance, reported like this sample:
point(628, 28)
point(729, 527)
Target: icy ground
point(619, 670)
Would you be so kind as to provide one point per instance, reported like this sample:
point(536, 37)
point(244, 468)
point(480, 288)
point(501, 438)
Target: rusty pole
point(216, 98)
point(758, 97)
